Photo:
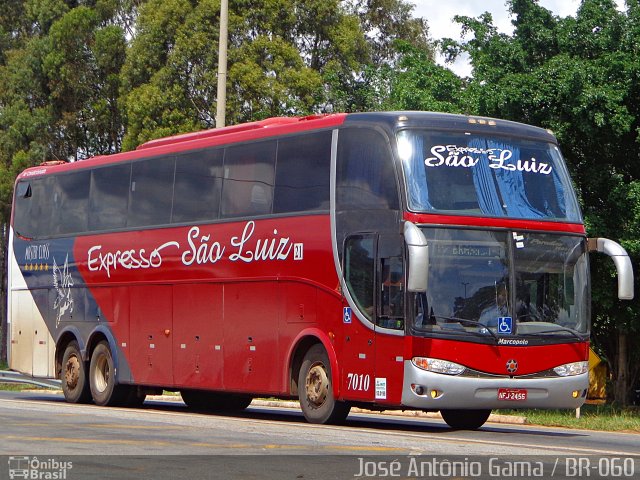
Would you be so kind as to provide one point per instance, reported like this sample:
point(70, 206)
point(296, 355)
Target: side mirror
point(622, 262)
point(418, 263)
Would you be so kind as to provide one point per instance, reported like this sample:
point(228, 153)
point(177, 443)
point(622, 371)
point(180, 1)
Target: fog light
point(436, 393)
point(575, 393)
point(419, 389)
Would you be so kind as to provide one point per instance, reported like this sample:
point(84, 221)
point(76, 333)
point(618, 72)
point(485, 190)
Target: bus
point(389, 260)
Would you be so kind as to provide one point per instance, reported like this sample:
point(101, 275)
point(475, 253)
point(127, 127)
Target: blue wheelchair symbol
point(346, 315)
point(505, 325)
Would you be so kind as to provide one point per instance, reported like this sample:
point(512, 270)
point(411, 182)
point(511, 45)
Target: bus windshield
point(470, 174)
point(539, 282)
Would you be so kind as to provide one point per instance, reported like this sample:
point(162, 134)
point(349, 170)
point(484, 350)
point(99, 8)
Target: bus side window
point(365, 177)
point(198, 185)
point(71, 203)
point(109, 197)
point(22, 204)
point(149, 195)
point(359, 271)
point(303, 171)
point(34, 209)
point(247, 187)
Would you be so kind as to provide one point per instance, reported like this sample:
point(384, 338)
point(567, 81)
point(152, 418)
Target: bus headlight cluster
point(438, 366)
point(571, 369)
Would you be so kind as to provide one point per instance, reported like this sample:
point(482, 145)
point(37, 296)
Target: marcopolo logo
point(34, 468)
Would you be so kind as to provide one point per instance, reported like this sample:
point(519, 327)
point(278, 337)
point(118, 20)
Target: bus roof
point(192, 141)
point(286, 125)
point(451, 121)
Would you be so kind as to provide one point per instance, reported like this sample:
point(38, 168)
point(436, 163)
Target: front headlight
point(438, 366)
point(571, 369)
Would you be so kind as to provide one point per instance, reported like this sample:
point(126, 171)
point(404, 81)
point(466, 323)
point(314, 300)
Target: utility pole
point(222, 64)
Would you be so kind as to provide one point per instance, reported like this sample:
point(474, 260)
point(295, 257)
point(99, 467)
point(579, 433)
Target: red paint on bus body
point(494, 222)
point(215, 306)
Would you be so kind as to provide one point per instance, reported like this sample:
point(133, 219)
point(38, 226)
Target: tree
point(286, 57)
point(419, 84)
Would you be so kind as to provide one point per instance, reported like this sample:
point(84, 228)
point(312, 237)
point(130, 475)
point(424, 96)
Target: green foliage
point(420, 84)
point(605, 418)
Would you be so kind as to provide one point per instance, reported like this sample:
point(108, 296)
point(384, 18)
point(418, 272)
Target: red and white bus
point(398, 260)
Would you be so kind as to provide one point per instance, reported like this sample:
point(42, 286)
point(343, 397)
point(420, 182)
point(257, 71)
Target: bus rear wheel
point(74, 375)
point(315, 389)
point(102, 378)
point(465, 419)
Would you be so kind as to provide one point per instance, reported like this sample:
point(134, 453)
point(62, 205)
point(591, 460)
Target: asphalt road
point(165, 440)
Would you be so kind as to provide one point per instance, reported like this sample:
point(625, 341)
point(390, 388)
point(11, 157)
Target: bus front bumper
point(434, 391)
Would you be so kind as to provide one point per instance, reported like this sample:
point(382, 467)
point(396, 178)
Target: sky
point(439, 14)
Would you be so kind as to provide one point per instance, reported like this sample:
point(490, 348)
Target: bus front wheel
point(74, 375)
point(465, 419)
point(315, 389)
point(102, 378)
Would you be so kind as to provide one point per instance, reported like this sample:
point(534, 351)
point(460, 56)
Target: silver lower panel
point(482, 393)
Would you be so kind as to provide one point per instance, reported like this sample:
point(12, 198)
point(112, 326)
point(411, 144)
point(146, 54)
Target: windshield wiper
point(470, 322)
point(558, 328)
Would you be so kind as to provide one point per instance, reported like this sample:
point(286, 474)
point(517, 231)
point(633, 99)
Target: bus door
point(372, 360)
point(357, 365)
point(389, 320)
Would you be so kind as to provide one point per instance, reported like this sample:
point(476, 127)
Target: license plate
point(512, 394)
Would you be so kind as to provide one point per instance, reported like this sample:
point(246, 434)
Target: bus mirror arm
point(622, 262)
point(418, 261)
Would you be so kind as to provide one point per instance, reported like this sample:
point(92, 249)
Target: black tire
point(102, 378)
point(74, 375)
point(465, 419)
point(315, 389)
point(237, 402)
point(207, 401)
point(135, 397)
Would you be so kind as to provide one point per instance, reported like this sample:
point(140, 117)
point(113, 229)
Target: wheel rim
point(72, 372)
point(101, 374)
point(317, 385)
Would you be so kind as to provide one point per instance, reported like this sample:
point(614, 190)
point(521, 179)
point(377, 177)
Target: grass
point(592, 417)
point(18, 387)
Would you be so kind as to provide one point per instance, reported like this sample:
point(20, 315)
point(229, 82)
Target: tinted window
point(359, 272)
point(71, 203)
point(151, 192)
point(391, 310)
point(302, 173)
point(366, 178)
point(248, 179)
point(109, 197)
point(34, 201)
point(198, 184)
